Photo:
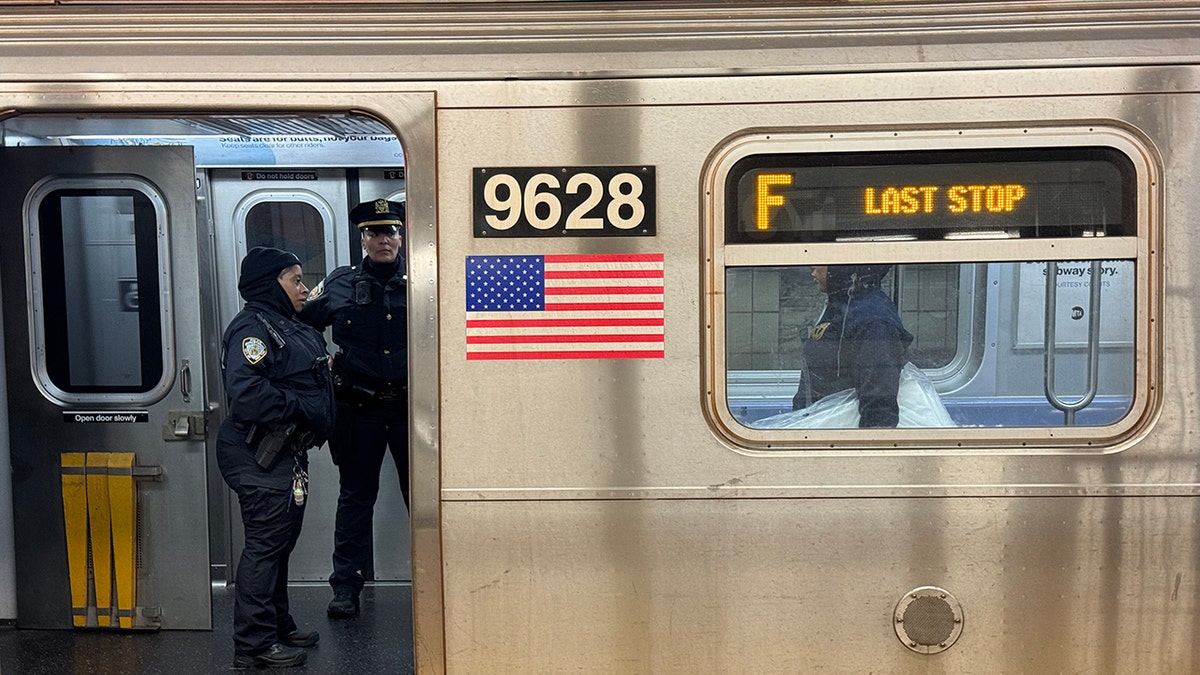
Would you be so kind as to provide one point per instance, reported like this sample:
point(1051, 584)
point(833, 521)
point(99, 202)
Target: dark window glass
point(100, 290)
point(292, 226)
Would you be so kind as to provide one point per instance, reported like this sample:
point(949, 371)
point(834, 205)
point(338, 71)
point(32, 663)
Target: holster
point(288, 439)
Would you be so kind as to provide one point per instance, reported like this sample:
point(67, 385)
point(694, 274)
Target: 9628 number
point(574, 201)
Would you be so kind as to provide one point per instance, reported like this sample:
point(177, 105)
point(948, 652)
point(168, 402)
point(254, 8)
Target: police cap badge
point(378, 213)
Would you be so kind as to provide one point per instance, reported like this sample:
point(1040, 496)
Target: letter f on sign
point(765, 201)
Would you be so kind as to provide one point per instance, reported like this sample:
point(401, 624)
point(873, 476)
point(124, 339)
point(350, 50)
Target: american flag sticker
point(565, 306)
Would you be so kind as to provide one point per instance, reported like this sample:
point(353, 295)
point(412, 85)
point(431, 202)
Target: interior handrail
point(1093, 342)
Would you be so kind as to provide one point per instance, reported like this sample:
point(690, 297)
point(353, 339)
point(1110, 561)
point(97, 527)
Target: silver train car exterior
point(607, 476)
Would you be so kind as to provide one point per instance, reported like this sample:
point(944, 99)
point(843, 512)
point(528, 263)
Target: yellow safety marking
point(123, 501)
point(74, 496)
point(100, 519)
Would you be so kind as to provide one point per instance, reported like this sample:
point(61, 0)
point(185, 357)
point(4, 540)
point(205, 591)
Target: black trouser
point(260, 608)
point(362, 434)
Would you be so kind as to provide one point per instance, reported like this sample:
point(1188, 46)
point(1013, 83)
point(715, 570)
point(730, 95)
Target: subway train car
point(624, 219)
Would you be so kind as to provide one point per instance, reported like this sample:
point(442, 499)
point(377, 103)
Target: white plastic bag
point(835, 411)
point(920, 406)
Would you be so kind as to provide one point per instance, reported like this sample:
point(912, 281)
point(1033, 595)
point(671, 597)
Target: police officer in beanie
point(280, 396)
point(367, 305)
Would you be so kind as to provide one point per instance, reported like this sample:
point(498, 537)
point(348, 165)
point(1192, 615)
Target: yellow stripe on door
point(74, 492)
point(100, 528)
point(100, 509)
point(122, 498)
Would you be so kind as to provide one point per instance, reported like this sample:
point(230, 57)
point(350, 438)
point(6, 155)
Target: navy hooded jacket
point(858, 343)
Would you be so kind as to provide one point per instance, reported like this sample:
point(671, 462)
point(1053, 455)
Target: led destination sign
point(1050, 192)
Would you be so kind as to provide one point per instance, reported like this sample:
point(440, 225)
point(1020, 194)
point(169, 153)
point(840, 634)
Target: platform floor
point(378, 640)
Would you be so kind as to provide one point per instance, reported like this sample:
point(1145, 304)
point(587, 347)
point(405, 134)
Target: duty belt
point(357, 388)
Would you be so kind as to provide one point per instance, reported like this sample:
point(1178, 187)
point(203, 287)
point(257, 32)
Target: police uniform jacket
point(367, 305)
point(275, 374)
point(858, 343)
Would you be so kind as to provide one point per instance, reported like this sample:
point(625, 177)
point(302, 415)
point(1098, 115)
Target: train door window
point(928, 298)
point(997, 289)
point(97, 250)
point(296, 222)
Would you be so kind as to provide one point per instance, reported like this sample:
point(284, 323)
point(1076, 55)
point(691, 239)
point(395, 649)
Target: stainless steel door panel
point(173, 542)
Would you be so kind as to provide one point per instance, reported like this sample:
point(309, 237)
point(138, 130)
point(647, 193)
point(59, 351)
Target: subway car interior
point(121, 291)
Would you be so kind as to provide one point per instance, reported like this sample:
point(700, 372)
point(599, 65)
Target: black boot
point(277, 656)
point(301, 638)
point(344, 604)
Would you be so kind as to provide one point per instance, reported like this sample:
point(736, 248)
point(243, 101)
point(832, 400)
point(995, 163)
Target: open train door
point(101, 311)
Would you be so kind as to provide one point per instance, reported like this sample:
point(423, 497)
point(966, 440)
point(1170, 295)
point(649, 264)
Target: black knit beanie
point(260, 269)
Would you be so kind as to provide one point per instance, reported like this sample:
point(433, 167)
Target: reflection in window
point(292, 226)
point(842, 347)
point(100, 290)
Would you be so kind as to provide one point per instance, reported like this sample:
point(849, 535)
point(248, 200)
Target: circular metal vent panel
point(928, 619)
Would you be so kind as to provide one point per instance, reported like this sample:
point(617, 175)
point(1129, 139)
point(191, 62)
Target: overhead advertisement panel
point(234, 151)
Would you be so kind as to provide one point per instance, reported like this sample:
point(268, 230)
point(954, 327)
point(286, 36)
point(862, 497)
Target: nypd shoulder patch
point(316, 292)
point(254, 349)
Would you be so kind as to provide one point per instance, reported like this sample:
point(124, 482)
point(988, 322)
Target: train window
point(296, 226)
point(99, 247)
point(778, 319)
point(993, 285)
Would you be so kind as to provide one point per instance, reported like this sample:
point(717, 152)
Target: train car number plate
point(571, 201)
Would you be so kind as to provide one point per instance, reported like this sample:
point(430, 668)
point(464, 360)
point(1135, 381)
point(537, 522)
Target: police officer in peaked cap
point(367, 305)
point(280, 399)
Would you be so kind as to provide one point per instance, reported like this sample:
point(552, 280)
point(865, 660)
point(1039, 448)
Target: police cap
point(378, 213)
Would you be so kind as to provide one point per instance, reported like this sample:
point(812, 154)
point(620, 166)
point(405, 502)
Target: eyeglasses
point(385, 230)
